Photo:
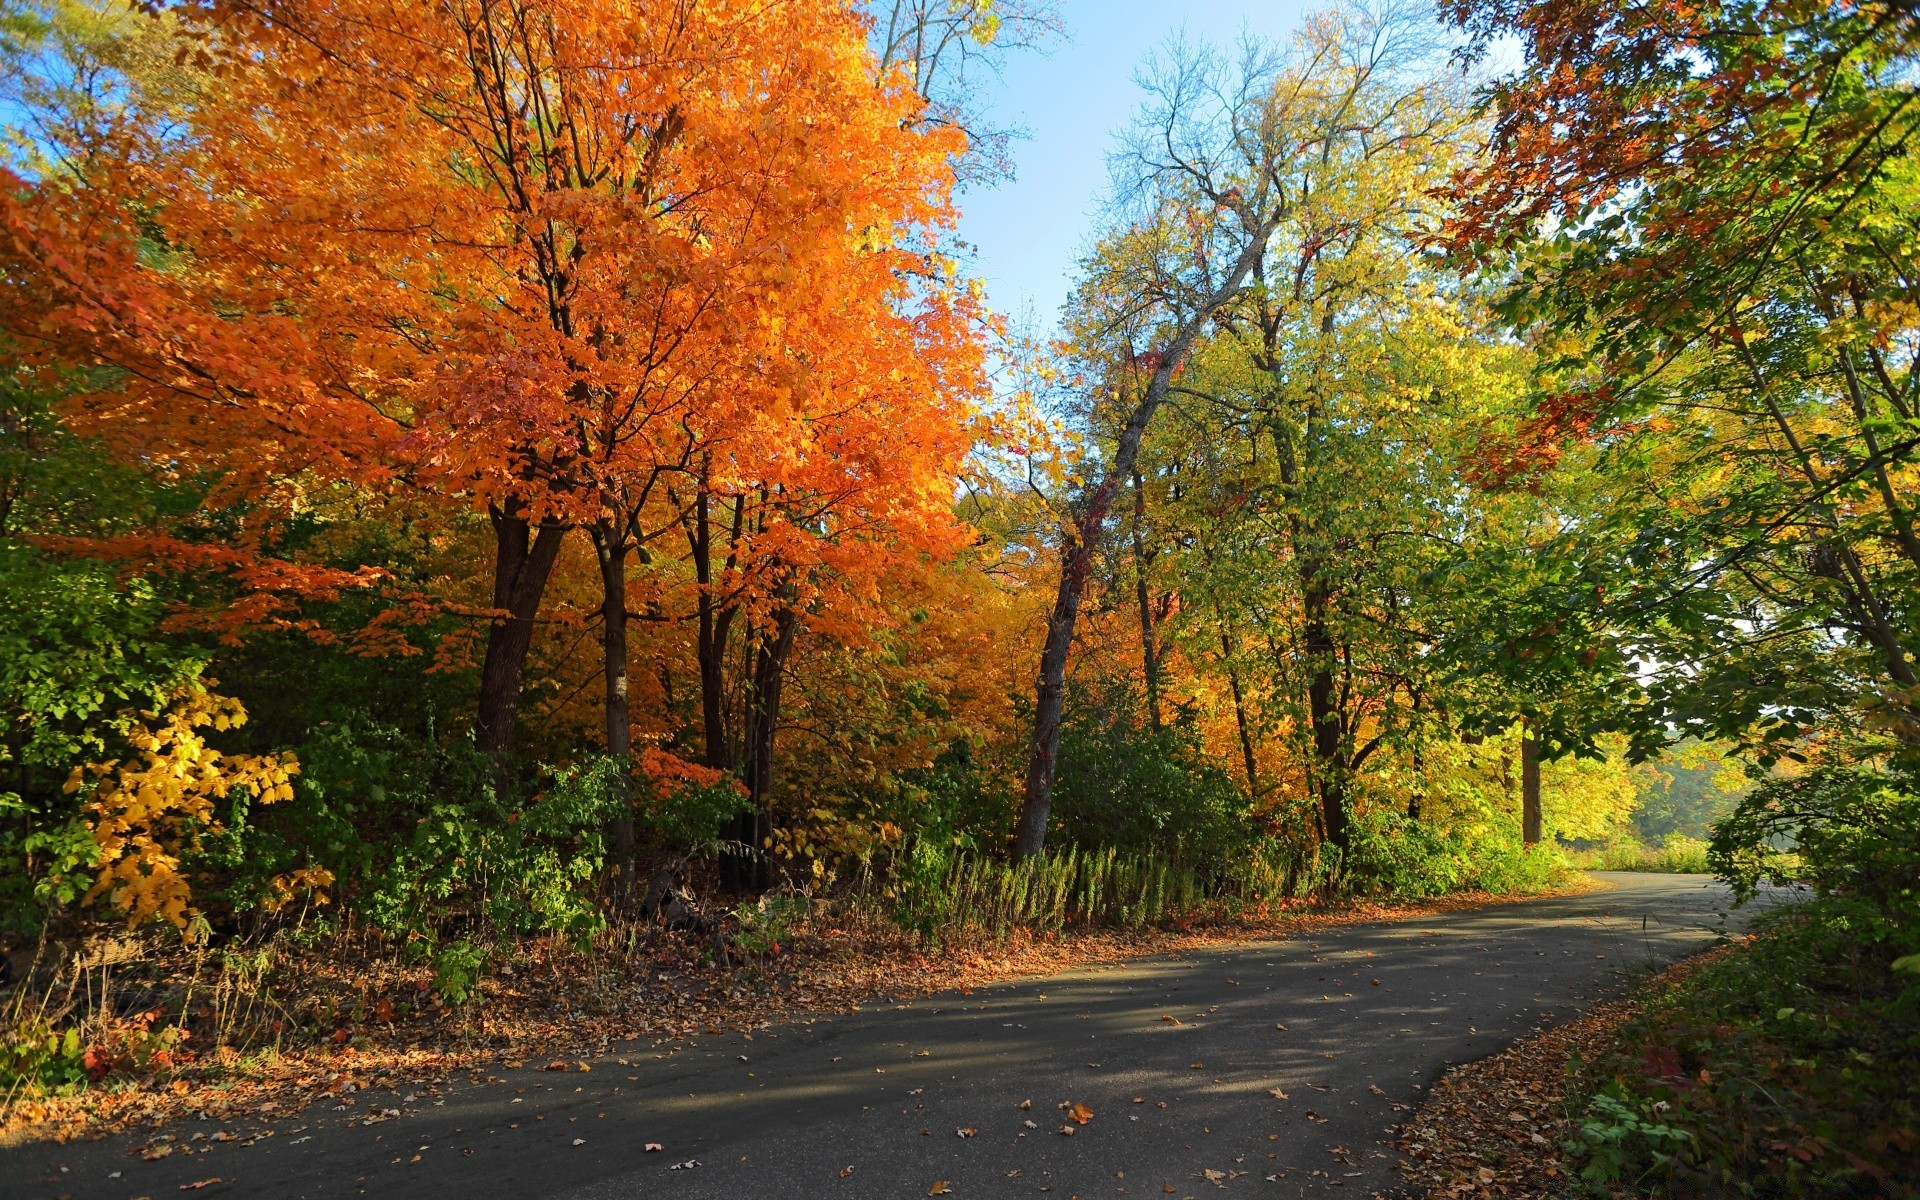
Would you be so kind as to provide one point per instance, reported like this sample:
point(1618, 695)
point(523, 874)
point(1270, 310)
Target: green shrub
point(767, 923)
point(1623, 1139)
point(1120, 786)
point(456, 970)
point(1790, 1065)
point(1393, 855)
point(1504, 864)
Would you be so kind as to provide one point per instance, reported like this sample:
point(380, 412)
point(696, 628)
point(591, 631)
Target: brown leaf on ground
point(1509, 1109)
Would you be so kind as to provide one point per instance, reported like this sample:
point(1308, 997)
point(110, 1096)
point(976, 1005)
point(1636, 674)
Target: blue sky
point(1071, 100)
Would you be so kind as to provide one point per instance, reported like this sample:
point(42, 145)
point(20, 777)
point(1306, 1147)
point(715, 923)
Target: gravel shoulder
point(1276, 1068)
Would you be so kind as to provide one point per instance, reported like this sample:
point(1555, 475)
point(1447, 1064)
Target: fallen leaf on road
point(1326, 1054)
point(1376, 983)
point(1025, 1105)
point(1277, 1094)
point(1196, 1066)
point(1079, 1114)
point(1314, 1116)
point(1168, 1188)
point(688, 1165)
point(966, 1131)
point(1139, 1099)
point(940, 1188)
point(1067, 1131)
point(654, 1147)
point(1216, 1178)
point(845, 1171)
point(197, 1184)
point(1281, 1028)
point(152, 1153)
point(1375, 1089)
point(1171, 1017)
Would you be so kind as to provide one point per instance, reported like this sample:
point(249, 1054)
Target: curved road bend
point(1176, 1056)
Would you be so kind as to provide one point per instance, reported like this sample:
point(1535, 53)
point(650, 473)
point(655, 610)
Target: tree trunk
point(1149, 651)
point(752, 868)
point(1323, 711)
point(1051, 694)
point(1240, 716)
point(1419, 783)
point(610, 546)
point(523, 562)
point(710, 648)
point(1529, 786)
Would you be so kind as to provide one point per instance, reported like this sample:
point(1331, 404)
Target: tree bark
point(1050, 696)
point(1240, 719)
point(523, 563)
point(1323, 711)
point(710, 647)
point(751, 869)
point(610, 546)
point(1529, 786)
point(1149, 650)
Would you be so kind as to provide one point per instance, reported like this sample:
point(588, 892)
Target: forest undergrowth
point(128, 1028)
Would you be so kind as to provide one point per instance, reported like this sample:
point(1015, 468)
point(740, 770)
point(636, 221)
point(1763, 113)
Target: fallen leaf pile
point(561, 1007)
point(1497, 1127)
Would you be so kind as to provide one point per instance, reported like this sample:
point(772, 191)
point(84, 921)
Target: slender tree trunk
point(1529, 785)
point(710, 646)
point(1419, 786)
point(1240, 716)
point(1323, 711)
point(1050, 696)
point(610, 546)
point(753, 870)
point(523, 563)
point(1419, 789)
point(1149, 650)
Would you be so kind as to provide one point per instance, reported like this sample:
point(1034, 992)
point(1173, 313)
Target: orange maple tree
point(520, 255)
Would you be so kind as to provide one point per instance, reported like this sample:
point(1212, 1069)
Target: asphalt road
point(1177, 1057)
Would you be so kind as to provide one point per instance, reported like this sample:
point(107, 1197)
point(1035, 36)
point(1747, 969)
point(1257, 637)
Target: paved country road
point(1177, 1057)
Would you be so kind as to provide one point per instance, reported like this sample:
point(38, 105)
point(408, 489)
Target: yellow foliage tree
point(151, 807)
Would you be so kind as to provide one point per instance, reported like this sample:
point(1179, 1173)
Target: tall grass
point(1679, 854)
point(936, 890)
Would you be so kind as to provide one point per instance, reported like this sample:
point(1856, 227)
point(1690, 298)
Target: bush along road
point(1273, 1069)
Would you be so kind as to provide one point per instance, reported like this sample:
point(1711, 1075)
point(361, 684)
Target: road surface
point(1179, 1058)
